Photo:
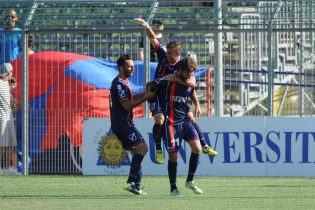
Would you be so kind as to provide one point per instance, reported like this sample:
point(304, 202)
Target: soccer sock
point(172, 172)
point(200, 134)
point(157, 135)
point(135, 167)
point(193, 164)
point(138, 179)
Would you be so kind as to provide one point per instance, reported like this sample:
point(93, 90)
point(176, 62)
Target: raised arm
point(149, 31)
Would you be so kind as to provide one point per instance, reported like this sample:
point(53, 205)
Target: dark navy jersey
point(163, 68)
point(174, 100)
point(120, 92)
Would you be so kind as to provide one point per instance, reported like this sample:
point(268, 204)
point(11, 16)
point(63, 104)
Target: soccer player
point(177, 126)
point(168, 64)
point(122, 101)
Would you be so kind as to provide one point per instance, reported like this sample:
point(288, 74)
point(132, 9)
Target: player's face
point(185, 75)
point(173, 54)
point(128, 68)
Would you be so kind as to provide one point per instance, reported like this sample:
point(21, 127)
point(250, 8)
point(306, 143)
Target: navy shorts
point(129, 137)
point(155, 106)
point(174, 134)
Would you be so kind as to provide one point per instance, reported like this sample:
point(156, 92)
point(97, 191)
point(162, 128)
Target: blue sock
point(193, 164)
point(172, 172)
point(138, 179)
point(134, 168)
point(200, 134)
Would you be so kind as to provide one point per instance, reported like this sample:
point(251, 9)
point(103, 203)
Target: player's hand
point(198, 111)
point(142, 22)
point(190, 116)
point(150, 93)
point(171, 77)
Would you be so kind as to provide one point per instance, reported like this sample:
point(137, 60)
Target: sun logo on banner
point(111, 151)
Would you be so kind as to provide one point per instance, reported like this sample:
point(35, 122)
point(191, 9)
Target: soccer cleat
point(209, 150)
point(175, 193)
point(131, 187)
point(141, 192)
point(191, 185)
point(159, 158)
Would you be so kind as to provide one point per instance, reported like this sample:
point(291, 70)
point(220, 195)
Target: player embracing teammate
point(175, 78)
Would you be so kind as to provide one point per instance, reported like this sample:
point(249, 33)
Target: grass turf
point(105, 192)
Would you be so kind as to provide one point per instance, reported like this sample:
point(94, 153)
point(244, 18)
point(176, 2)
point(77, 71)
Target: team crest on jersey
point(111, 151)
point(132, 137)
point(121, 93)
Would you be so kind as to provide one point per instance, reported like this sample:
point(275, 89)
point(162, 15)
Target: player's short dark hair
point(122, 59)
point(173, 44)
point(188, 64)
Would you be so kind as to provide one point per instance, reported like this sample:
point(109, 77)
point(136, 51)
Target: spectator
point(10, 42)
point(30, 44)
point(159, 27)
point(15, 104)
point(8, 140)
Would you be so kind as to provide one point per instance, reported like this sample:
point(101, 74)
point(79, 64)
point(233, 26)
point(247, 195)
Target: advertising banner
point(246, 146)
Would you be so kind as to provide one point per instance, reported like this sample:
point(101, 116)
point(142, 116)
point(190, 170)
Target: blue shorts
point(129, 137)
point(174, 134)
point(155, 106)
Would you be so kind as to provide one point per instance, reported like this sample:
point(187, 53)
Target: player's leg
point(133, 141)
point(157, 135)
point(172, 148)
point(172, 173)
point(191, 136)
point(206, 149)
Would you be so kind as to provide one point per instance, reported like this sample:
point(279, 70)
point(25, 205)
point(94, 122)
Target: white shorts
point(7, 133)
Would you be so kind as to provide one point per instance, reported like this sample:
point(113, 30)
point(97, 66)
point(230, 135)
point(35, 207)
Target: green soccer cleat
point(159, 158)
point(191, 185)
point(175, 193)
point(131, 187)
point(209, 150)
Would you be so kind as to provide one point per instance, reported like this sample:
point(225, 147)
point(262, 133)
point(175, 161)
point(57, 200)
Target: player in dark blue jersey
point(167, 66)
point(178, 126)
point(122, 101)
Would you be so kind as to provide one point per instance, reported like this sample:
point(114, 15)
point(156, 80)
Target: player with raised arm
point(168, 60)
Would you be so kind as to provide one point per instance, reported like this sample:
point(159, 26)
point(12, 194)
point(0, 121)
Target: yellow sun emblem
point(111, 151)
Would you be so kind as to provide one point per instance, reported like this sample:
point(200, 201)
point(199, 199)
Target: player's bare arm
point(128, 105)
point(195, 100)
point(191, 82)
point(149, 31)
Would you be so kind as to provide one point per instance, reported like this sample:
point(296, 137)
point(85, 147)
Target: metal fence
point(267, 63)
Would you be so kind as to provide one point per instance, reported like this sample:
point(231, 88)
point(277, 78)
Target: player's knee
point(142, 148)
point(159, 118)
point(195, 146)
point(173, 157)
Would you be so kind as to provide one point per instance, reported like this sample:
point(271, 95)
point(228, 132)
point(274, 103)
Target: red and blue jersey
point(174, 100)
point(163, 68)
point(120, 91)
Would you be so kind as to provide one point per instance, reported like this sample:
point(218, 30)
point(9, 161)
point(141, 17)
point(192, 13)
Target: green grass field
point(105, 192)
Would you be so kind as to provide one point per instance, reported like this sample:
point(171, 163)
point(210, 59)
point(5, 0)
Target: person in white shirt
point(8, 139)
